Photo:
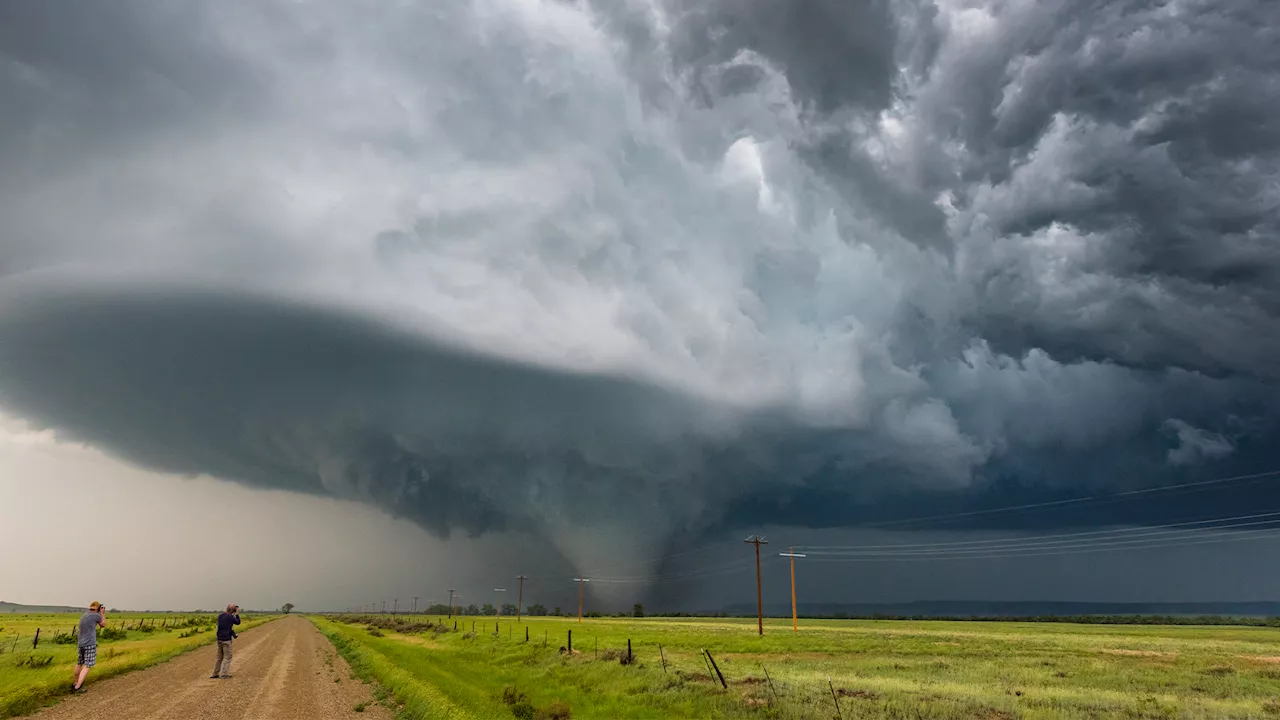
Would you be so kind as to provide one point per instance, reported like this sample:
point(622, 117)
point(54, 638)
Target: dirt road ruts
point(285, 669)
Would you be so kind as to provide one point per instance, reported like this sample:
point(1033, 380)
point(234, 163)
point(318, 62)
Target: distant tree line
point(1248, 621)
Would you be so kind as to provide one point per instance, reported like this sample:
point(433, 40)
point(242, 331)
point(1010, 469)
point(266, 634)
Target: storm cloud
point(575, 268)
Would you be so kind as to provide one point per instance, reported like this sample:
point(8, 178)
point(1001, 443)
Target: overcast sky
point(337, 299)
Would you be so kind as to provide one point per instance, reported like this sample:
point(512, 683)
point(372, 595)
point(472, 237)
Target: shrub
point(557, 710)
point(109, 634)
point(511, 696)
point(375, 631)
point(524, 710)
point(34, 661)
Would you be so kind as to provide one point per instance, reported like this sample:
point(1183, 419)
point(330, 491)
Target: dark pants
point(223, 665)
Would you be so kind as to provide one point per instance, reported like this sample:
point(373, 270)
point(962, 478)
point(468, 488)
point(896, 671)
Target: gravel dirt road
point(285, 669)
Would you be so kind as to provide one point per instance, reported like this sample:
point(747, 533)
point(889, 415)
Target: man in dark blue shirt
point(222, 668)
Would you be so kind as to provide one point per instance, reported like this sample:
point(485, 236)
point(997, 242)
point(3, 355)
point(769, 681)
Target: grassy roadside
point(34, 678)
point(873, 669)
point(418, 699)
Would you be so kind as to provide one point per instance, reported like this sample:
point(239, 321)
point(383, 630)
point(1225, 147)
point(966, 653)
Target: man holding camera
point(87, 642)
point(222, 668)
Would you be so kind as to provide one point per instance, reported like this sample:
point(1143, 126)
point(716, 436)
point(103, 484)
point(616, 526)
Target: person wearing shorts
point(87, 642)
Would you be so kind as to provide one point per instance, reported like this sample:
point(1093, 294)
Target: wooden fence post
point(723, 684)
point(36, 643)
point(570, 645)
point(664, 658)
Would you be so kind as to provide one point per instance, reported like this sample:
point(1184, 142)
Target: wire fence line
point(752, 684)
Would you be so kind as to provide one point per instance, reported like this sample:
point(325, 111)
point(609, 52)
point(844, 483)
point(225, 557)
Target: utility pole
point(415, 604)
point(793, 555)
point(451, 592)
point(758, 541)
point(580, 580)
point(498, 601)
point(384, 607)
point(520, 598)
point(395, 608)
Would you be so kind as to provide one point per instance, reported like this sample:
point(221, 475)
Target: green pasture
point(33, 677)
point(877, 669)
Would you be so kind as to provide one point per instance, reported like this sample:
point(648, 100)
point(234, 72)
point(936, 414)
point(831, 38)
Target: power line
point(996, 543)
point(1270, 474)
point(721, 568)
point(1242, 535)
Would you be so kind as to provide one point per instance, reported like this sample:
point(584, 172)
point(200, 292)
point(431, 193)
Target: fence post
point(526, 633)
point(36, 643)
point(629, 658)
point(719, 674)
point(771, 687)
point(570, 645)
point(835, 699)
point(664, 658)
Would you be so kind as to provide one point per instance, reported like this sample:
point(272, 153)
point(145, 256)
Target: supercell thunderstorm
point(582, 268)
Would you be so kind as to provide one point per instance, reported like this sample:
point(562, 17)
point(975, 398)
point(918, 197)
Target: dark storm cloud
point(1146, 129)
point(698, 264)
point(833, 53)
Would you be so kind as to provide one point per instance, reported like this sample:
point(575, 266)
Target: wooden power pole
point(580, 580)
point(758, 541)
point(451, 592)
point(520, 597)
point(415, 604)
point(793, 555)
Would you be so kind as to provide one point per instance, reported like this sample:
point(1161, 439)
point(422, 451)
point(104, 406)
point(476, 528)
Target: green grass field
point(31, 678)
point(878, 669)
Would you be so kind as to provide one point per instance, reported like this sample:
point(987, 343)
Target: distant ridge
point(1008, 608)
point(8, 607)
